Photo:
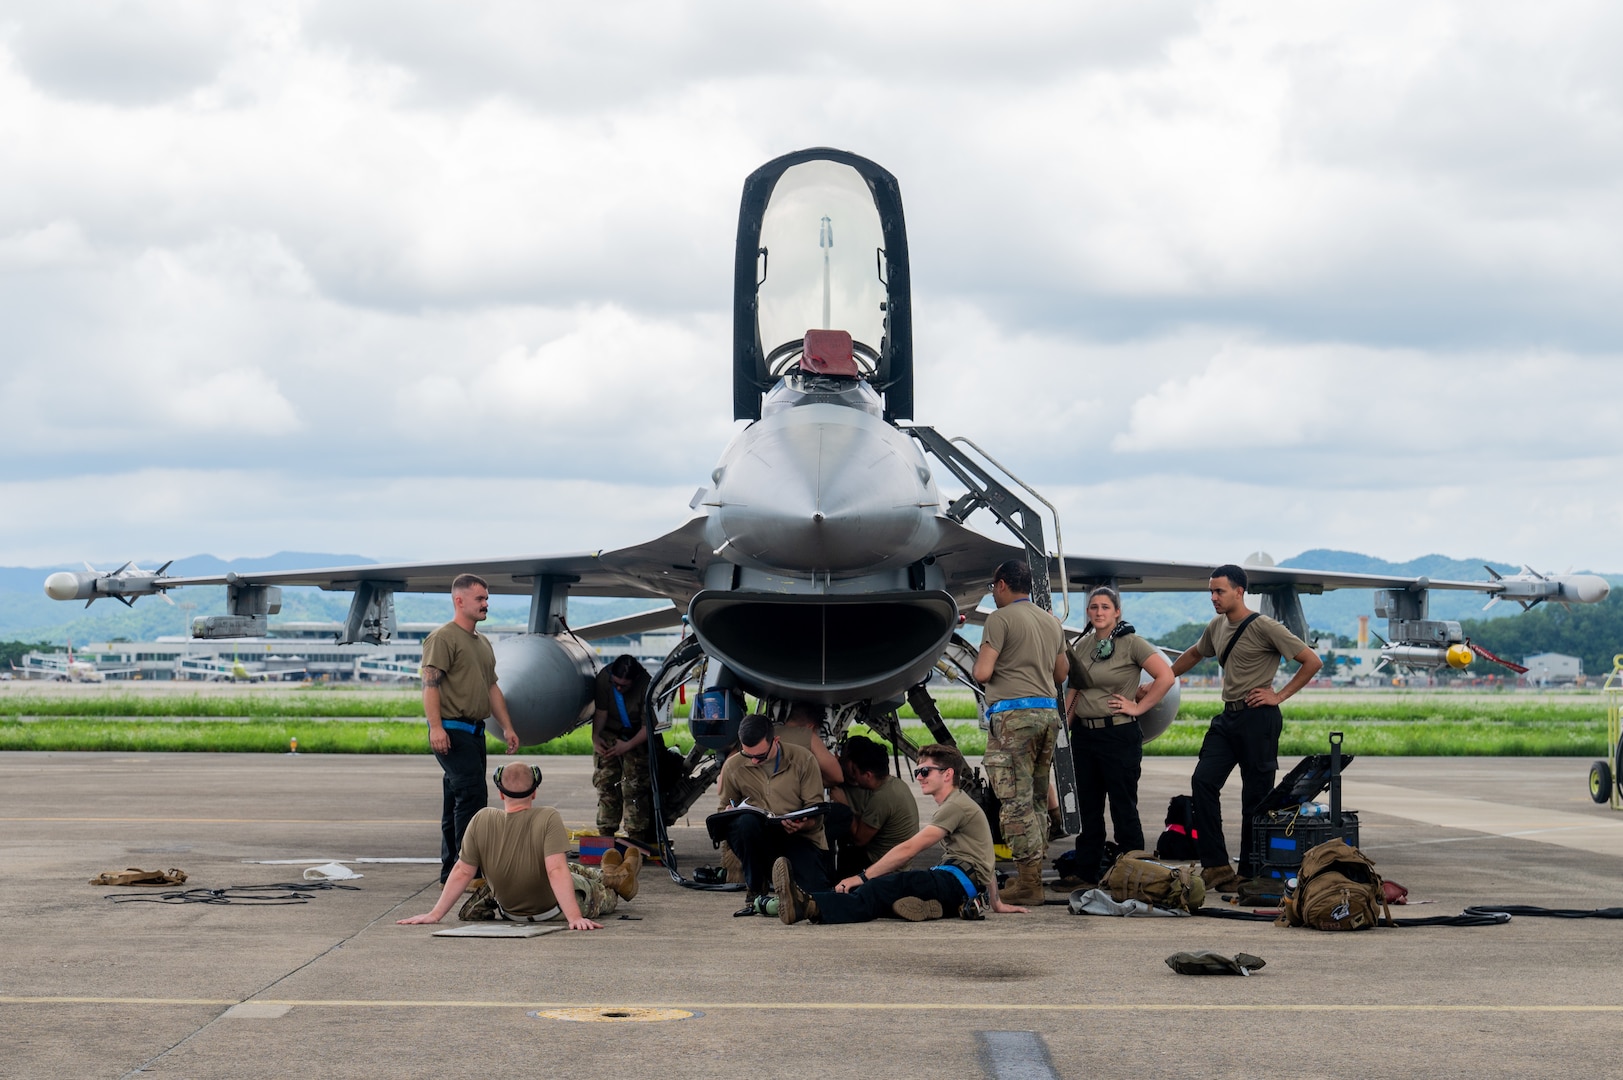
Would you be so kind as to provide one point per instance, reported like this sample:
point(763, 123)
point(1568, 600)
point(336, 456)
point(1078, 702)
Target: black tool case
point(1280, 835)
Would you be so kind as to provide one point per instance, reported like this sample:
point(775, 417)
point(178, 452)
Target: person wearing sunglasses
point(1021, 662)
point(773, 777)
point(1104, 698)
point(962, 884)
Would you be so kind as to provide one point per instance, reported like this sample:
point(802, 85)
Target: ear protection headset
point(535, 782)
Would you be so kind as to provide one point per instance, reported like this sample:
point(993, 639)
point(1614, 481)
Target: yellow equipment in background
point(1606, 777)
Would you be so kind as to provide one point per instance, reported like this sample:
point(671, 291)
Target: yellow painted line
point(779, 1006)
point(229, 821)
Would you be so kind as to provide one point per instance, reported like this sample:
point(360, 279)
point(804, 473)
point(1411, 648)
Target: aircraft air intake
point(825, 649)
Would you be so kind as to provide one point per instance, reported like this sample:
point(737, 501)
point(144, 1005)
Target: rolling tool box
point(1281, 834)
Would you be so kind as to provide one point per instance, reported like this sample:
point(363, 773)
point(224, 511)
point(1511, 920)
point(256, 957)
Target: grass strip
point(335, 721)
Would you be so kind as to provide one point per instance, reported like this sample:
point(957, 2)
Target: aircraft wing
point(670, 567)
point(968, 558)
point(1139, 575)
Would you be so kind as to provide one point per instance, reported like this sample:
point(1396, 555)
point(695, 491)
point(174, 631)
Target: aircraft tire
point(1617, 767)
point(1600, 781)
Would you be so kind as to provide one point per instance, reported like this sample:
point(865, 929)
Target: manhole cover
point(609, 1015)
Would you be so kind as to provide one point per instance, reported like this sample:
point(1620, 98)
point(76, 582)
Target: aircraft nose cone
point(826, 490)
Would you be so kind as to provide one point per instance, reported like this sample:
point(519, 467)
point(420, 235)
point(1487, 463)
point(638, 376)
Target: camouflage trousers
point(1019, 754)
point(624, 791)
point(592, 897)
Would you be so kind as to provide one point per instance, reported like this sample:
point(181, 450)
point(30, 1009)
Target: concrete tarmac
point(93, 988)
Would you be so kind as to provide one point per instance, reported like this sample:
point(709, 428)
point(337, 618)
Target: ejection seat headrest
point(828, 352)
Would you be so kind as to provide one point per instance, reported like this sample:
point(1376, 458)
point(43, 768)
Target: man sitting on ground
point(883, 810)
point(523, 849)
point(775, 777)
point(963, 884)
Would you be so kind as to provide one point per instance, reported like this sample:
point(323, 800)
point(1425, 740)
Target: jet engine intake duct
point(825, 649)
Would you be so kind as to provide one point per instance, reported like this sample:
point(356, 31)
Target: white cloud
point(363, 243)
point(243, 400)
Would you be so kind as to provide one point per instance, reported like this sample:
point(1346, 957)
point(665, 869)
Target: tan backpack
point(1137, 875)
point(1337, 888)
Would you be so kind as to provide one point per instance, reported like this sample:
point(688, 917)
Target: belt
point(963, 879)
point(471, 727)
point(508, 916)
point(1021, 703)
point(1094, 723)
point(1235, 706)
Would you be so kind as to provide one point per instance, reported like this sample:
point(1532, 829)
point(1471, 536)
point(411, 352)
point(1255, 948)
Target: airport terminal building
point(292, 652)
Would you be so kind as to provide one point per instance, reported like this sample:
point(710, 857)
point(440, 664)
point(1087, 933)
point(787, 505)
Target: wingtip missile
point(124, 584)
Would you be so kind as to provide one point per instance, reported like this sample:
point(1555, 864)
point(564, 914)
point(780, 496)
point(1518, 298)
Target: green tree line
point(12, 652)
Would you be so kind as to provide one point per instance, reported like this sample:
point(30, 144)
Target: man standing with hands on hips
point(1021, 662)
point(459, 694)
point(1248, 646)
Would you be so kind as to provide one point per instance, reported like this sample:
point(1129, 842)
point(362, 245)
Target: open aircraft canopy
point(822, 245)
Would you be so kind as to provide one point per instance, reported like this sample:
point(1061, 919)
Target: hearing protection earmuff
point(535, 782)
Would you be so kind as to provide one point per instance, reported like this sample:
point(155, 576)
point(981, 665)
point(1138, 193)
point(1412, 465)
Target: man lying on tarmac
point(963, 884)
point(523, 849)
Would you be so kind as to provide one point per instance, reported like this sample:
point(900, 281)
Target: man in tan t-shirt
point(523, 850)
point(1021, 661)
point(459, 694)
point(964, 884)
point(1246, 732)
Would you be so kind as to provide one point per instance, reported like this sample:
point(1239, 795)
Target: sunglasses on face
point(762, 756)
point(925, 770)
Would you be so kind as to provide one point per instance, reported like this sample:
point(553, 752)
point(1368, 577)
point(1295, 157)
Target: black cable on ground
point(1470, 917)
point(281, 893)
point(1551, 913)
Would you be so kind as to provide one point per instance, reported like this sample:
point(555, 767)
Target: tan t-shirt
point(1028, 640)
point(968, 843)
point(795, 735)
point(511, 850)
point(891, 809)
point(1255, 660)
point(469, 664)
point(789, 780)
point(1096, 680)
point(634, 696)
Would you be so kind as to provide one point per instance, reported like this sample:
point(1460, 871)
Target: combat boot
point(625, 882)
point(1220, 878)
point(794, 904)
point(913, 909)
point(1028, 885)
point(609, 867)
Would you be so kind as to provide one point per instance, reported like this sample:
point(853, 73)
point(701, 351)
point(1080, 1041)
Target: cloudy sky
point(426, 280)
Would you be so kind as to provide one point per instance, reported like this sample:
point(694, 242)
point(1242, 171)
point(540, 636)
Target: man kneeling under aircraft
point(963, 884)
point(523, 851)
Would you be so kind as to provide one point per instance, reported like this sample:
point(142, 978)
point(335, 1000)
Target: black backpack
point(1177, 843)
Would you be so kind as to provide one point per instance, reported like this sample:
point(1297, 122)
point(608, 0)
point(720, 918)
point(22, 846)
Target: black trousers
point(1109, 762)
point(464, 791)
point(873, 900)
point(849, 856)
point(1248, 738)
point(759, 843)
